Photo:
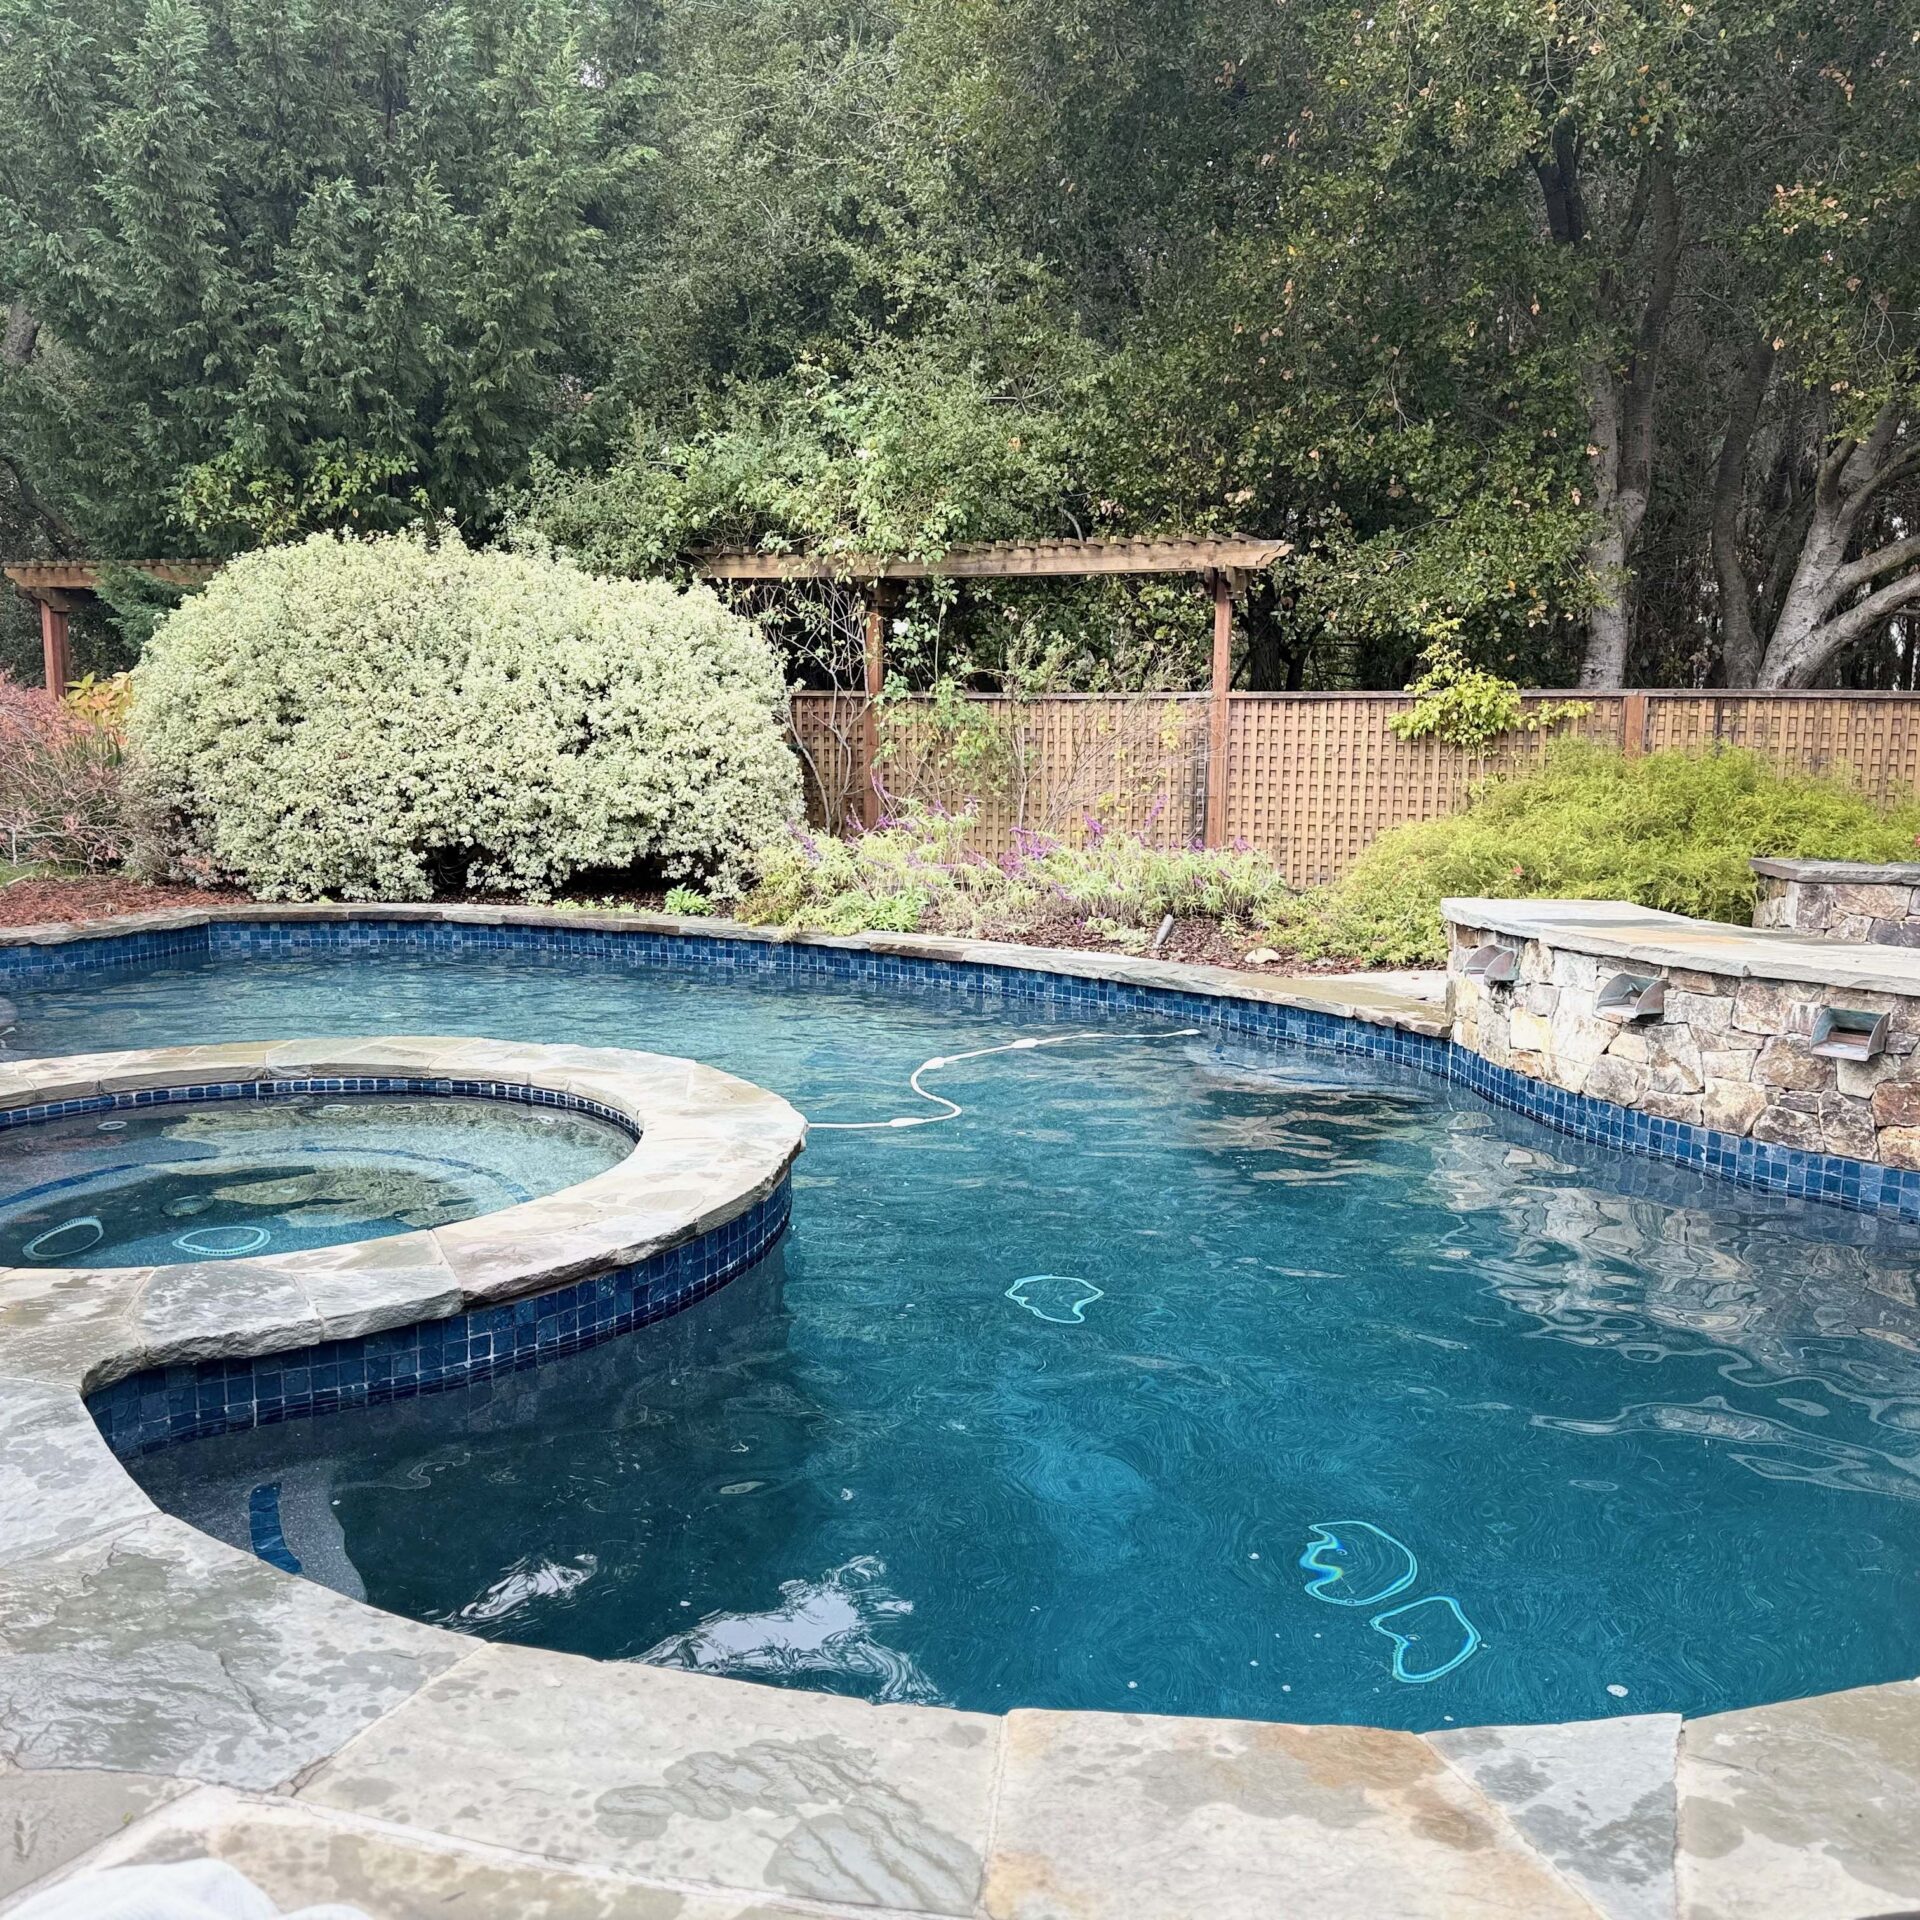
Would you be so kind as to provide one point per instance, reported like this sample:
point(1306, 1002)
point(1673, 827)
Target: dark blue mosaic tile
point(159, 1407)
point(264, 1530)
point(279, 1089)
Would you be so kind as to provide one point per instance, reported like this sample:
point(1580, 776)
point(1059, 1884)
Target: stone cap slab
point(707, 1147)
point(1345, 996)
point(1619, 930)
point(1840, 873)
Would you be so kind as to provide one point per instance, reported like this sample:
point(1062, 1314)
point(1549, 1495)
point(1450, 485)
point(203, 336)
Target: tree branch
point(63, 537)
point(1636, 454)
point(1870, 566)
point(1873, 449)
point(1559, 175)
point(1862, 617)
point(1903, 468)
point(21, 336)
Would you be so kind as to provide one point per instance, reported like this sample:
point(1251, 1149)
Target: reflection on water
point(1741, 1283)
point(825, 1629)
point(1050, 1403)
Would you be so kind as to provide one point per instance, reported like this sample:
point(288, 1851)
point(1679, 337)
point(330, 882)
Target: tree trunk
point(1740, 647)
point(20, 336)
point(1623, 432)
point(1605, 661)
point(1831, 601)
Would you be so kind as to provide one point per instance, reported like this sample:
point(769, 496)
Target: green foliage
point(136, 603)
point(904, 453)
point(1465, 706)
point(688, 900)
point(890, 275)
point(383, 719)
point(1673, 830)
point(918, 874)
point(310, 266)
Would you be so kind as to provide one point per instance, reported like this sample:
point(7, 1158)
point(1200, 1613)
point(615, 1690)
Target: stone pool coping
point(707, 1146)
point(1843, 873)
point(163, 1696)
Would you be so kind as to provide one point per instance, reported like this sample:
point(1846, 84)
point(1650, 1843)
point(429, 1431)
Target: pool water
point(227, 1178)
point(1166, 1374)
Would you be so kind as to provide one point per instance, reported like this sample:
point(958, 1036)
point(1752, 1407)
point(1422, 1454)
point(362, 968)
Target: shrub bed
point(392, 718)
point(61, 798)
point(1672, 830)
point(918, 875)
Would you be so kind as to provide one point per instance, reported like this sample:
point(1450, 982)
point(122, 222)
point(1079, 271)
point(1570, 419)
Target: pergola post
point(1218, 714)
point(876, 680)
point(58, 586)
point(56, 657)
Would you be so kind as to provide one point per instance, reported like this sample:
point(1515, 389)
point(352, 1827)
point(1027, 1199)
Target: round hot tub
point(271, 1172)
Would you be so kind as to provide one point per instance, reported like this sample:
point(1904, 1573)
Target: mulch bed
point(1194, 942)
point(94, 896)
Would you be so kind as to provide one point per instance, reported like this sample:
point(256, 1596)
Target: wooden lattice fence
point(1311, 778)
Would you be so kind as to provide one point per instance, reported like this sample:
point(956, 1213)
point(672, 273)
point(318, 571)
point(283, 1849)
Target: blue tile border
point(165, 1405)
point(264, 1531)
point(1861, 1185)
point(205, 1093)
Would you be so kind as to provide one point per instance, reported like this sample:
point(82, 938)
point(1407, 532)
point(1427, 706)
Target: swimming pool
point(223, 1179)
point(1046, 1401)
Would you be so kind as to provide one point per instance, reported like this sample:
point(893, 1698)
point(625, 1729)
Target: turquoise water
point(238, 1177)
point(1166, 1375)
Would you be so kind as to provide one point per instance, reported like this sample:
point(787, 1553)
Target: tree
point(280, 265)
point(1816, 526)
point(1582, 330)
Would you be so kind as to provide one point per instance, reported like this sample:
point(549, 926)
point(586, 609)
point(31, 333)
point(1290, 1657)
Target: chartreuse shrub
point(388, 718)
point(1672, 830)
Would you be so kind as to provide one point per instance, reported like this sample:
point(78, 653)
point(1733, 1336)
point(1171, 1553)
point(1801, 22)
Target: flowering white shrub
point(382, 719)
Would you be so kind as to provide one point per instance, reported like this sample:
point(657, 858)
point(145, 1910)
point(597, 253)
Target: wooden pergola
point(1223, 563)
point(61, 586)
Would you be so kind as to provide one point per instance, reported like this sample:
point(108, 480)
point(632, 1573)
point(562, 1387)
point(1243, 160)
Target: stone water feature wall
point(1733, 1048)
point(1839, 900)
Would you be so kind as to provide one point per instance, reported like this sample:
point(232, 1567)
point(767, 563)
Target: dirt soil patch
point(1194, 942)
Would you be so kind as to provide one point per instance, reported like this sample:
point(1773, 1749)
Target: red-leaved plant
point(61, 799)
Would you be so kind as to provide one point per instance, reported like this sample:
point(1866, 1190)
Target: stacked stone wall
point(1729, 1053)
point(1883, 913)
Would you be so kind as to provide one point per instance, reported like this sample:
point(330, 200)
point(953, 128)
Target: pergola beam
point(59, 585)
point(1005, 560)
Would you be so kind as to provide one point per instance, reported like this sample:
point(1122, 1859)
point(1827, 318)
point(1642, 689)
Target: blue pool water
point(263, 1176)
point(1168, 1375)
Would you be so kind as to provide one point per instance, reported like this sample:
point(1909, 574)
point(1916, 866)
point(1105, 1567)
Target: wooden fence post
point(56, 658)
point(876, 665)
point(1633, 725)
point(1218, 711)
